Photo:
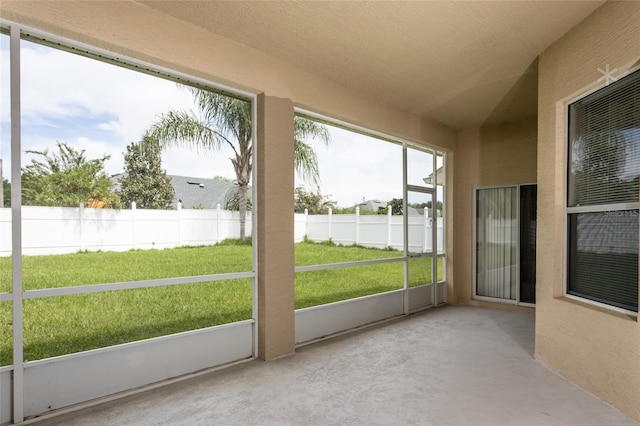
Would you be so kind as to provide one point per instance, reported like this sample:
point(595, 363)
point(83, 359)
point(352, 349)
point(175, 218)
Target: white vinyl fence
point(58, 230)
point(377, 231)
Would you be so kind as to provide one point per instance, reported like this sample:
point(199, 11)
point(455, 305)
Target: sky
point(101, 108)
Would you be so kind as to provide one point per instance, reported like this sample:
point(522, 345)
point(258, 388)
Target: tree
point(232, 200)
point(222, 120)
point(66, 179)
point(397, 207)
point(144, 180)
point(313, 202)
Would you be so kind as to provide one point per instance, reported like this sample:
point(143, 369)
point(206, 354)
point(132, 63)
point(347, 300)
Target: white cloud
point(354, 167)
point(94, 106)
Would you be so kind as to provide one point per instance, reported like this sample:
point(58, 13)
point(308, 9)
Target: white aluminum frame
point(22, 395)
point(331, 319)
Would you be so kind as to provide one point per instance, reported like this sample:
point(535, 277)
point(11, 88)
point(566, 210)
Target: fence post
point(426, 230)
point(178, 211)
point(330, 217)
point(389, 214)
point(133, 225)
point(306, 223)
point(1, 186)
point(81, 218)
point(357, 225)
point(218, 214)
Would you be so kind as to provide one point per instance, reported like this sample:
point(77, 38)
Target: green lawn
point(61, 325)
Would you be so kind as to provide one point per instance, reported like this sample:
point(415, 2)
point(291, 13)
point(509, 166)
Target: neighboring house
point(375, 205)
point(197, 193)
point(371, 205)
point(201, 193)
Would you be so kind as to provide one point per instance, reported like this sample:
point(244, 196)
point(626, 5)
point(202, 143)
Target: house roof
point(197, 192)
point(371, 205)
point(458, 62)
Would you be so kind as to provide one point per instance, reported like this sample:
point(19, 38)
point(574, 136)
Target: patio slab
point(454, 365)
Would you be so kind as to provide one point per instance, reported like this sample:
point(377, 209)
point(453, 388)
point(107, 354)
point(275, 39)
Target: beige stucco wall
point(276, 306)
point(494, 155)
point(596, 348)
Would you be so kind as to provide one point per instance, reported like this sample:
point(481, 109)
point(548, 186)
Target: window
point(602, 195)
point(97, 212)
point(353, 238)
point(349, 222)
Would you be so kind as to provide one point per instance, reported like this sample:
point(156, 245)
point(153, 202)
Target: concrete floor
point(453, 365)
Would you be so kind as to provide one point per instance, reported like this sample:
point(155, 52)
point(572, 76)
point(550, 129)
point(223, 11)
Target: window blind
point(603, 257)
point(604, 145)
point(603, 172)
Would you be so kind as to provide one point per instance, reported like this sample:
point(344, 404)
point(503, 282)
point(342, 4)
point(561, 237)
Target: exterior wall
point(597, 349)
point(495, 155)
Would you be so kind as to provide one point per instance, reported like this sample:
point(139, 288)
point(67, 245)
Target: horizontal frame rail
point(125, 285)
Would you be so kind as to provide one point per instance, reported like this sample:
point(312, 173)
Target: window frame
point(596, 208)
point(406, 187)
point(17, 295)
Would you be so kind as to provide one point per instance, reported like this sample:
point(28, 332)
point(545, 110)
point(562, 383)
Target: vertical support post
point(425, 237)
point(134, 241)
point(1, 186)
point(357, 225)
point(81, 226)
point(389, 214)
point(405, 229)
point(275, 246)
point(218, 217)
point(330, 213)
point(179, 212)
point(16, 228)
point(306, 223)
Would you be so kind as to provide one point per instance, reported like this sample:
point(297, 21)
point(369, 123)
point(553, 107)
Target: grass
point(67, 324)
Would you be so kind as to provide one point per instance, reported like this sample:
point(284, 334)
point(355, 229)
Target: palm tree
point(222, 120)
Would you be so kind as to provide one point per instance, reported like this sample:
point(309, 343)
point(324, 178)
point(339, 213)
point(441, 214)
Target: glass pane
point(496, 242)
point(420, 221)
point(528, 227)
point(76, 269)
point(420, 271)
point(356, 200)
point(420, 168)
point(68, 324)
point(442, 269)
point(603, 257)
point(604, 145)
point(127, 132)
point(308, 253)
point(332, 285)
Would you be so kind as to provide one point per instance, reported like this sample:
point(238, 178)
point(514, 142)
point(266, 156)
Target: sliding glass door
point(505, 229)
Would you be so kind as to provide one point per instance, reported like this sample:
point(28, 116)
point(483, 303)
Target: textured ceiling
point(461, 63)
